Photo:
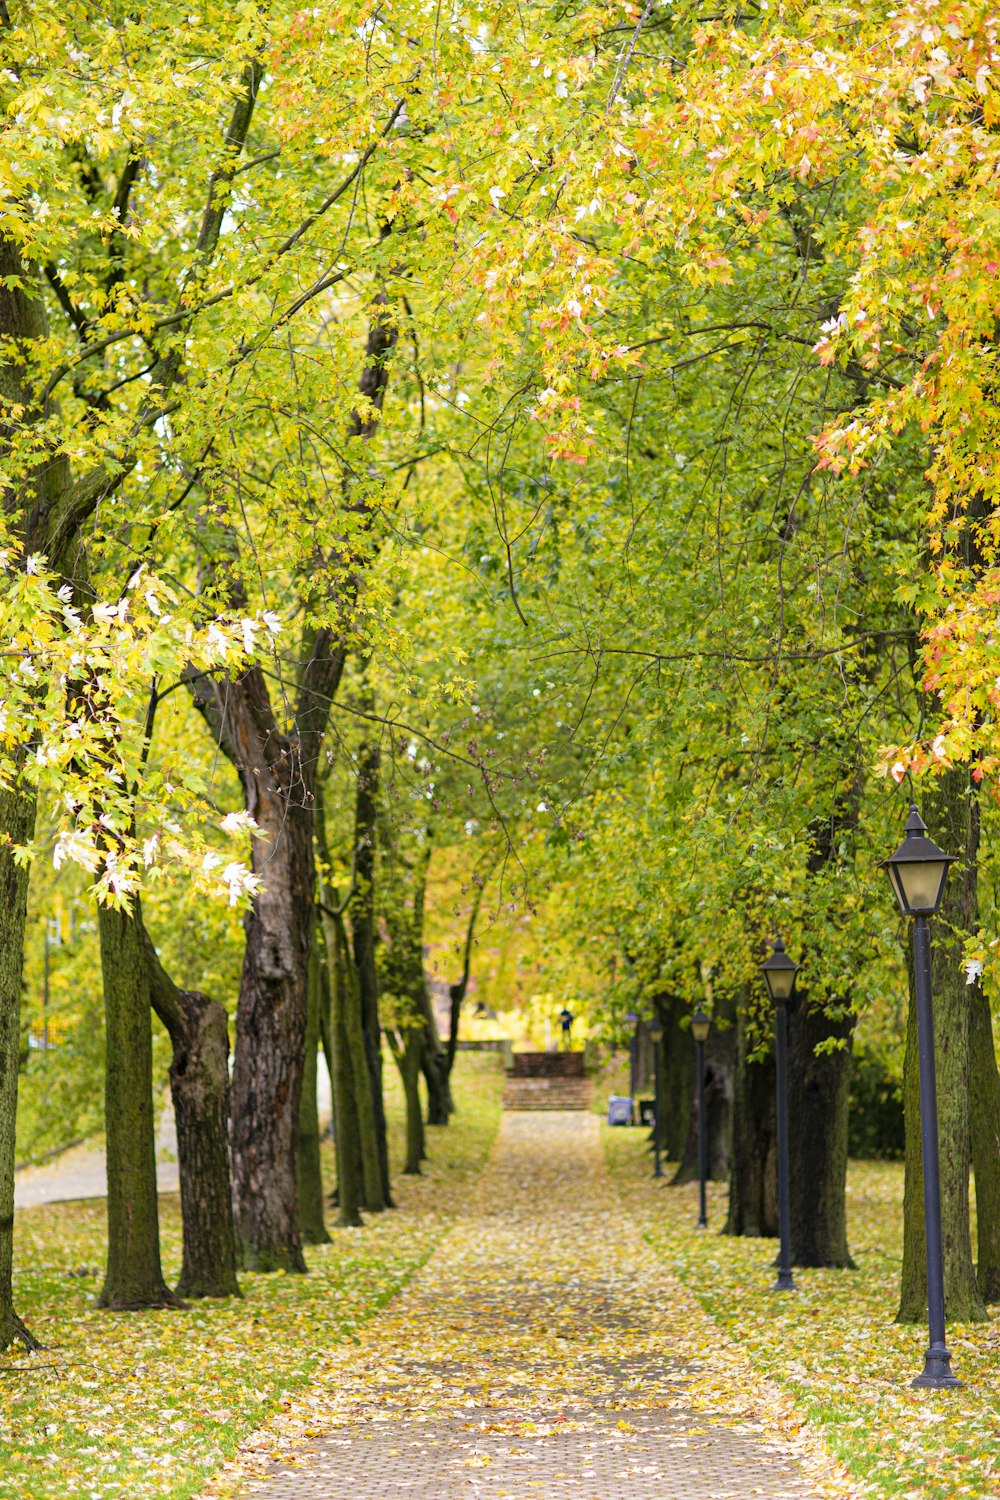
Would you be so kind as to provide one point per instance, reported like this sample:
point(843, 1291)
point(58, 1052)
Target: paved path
point(536, 1355)
point(81, 1172)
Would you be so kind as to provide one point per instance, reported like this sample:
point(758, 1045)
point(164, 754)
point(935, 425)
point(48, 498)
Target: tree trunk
point(17, 820)
point(198, 1028)
point(134, 1277)
point(358, 1163)
point(363, 927)
point(311, 1225)
point(276, 771)
point(677, 1075)
point(434, 1061)
point(346, 1110)
point(818, 1098)
point(985, 1144)
point(440, 1106)
point(753, 1177)
point(718, 1117)
point(949, 813)
point(326, 1015)
point(458, 990)
point(408, 1053)
point(270, 1033)
point(372, 1173)
point(279, 772)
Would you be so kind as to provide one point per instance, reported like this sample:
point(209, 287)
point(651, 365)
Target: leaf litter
point(543, 1341)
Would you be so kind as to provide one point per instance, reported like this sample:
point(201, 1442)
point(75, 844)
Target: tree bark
point(311, 1225)
point(718, 1116)
point(677, 1065)
point(134, 1276)
point(359, 1171)
point(818, 1099)
point(362, 911)
point(753, 1178)
point(440, 1105)
point(407, 1050)
point(198, 1028)
point(433, 1057)
point(346, 1109)
point(277, 772)
point(458, 990)
point(948, 810)
point(17, 820)
point(271, 1018)
point(985, 1144)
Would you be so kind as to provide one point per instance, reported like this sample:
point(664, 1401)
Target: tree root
point(164, 1298)
point(13, 1331)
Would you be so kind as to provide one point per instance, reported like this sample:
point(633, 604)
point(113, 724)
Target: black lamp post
point(701, 1025)
point(779, 976)
point(918, 871)
point(656, 1037)
point(633, 1048)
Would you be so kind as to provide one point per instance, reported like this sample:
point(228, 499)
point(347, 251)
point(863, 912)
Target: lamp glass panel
point(656, 1033)
point(897, 888)
point(922, 882)
point(700, 1027)
point(779, 982)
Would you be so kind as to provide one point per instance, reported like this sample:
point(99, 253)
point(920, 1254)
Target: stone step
point(547, 1093)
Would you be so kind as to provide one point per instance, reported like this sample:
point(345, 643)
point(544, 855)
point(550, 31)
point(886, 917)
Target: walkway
point(542, 1352)
point(81, 1172)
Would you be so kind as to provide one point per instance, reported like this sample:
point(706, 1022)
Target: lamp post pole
point(784, 1283)
point(918, 871)
point(700, 1027)
point(779, 976)
point(937, 1361)
point(656, 1037)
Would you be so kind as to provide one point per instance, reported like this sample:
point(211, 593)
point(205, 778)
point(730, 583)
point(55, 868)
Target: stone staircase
point(547, 1080)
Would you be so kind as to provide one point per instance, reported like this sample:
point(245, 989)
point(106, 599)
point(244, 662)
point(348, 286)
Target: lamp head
point(701, 1025)
point(779, 973)
point(918, 870)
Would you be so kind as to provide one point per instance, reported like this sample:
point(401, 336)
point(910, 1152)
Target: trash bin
point(619, 1110)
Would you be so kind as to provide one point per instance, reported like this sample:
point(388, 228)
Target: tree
point(134, 1278)
point(198, 1028)
point(310, 1176)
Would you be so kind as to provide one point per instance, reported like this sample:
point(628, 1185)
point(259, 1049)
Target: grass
point(151, 1404)
point(833, 1347)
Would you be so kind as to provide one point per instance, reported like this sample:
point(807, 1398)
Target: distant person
point(566, 1019)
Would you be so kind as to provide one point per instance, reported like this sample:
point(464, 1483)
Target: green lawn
point(150, 1404)
point(832, 1346)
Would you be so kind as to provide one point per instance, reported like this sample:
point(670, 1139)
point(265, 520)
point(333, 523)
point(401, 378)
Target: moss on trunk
point(311, 1225)
point(17, 820)
point(134, 1277)
point(985, 1144)
point(753, 1175)
point(198, 1028)
point(362, 993)
point(819, 1085)
point(346, 1127)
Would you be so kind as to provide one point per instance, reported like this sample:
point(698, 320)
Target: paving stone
point(560, 1384)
